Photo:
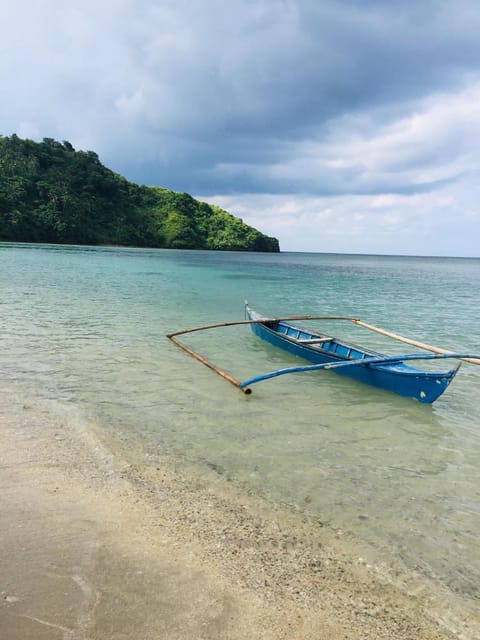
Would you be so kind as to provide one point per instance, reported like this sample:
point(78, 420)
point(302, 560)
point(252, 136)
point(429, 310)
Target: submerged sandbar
point(98, 542)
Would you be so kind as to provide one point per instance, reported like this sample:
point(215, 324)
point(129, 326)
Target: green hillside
point(51, 193)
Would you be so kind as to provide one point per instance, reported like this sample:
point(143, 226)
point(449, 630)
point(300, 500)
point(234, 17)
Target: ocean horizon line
point(219, 251)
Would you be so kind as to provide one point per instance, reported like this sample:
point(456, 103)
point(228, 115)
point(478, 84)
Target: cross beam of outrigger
point(352, 363)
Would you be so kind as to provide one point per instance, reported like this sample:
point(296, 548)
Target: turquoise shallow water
point(85, 327)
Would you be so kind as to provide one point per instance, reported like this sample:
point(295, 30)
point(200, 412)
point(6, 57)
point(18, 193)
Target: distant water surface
point(86, 326)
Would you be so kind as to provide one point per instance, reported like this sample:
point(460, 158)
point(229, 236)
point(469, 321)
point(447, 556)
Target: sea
point(85, 329)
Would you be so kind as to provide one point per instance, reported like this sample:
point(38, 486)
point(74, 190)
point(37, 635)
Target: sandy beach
point(96, 546)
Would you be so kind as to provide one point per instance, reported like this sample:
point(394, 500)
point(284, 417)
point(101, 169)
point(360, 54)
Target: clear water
point(86, 327)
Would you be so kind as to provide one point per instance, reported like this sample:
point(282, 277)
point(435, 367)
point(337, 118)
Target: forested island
point(49, 192)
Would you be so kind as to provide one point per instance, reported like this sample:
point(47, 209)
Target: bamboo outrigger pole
point(223, 374)
point(207, 363)
point(413, 343)
point(259, 321)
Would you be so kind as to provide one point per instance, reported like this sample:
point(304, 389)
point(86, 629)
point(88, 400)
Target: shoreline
point(100, 543)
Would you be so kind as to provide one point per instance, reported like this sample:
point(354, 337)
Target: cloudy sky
point(334, 125)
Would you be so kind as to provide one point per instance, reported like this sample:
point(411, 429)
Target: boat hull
point(399, 378)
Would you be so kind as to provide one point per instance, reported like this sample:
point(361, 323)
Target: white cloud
point(349, 117)
point(417, 224)
point(438, 140)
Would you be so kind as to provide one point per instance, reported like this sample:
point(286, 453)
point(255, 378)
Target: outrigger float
point(326, 352)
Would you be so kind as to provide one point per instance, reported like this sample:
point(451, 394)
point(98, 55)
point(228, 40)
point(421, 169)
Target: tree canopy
point(49, 192)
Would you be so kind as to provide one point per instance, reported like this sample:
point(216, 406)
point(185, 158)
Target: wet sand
point(98, 546)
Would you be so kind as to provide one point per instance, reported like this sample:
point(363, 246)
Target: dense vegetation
point(49, 192)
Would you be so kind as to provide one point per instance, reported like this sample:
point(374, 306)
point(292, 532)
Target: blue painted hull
point(399, 378)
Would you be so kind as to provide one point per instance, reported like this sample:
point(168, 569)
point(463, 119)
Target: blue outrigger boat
point(390, 373)
point(326, 352)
